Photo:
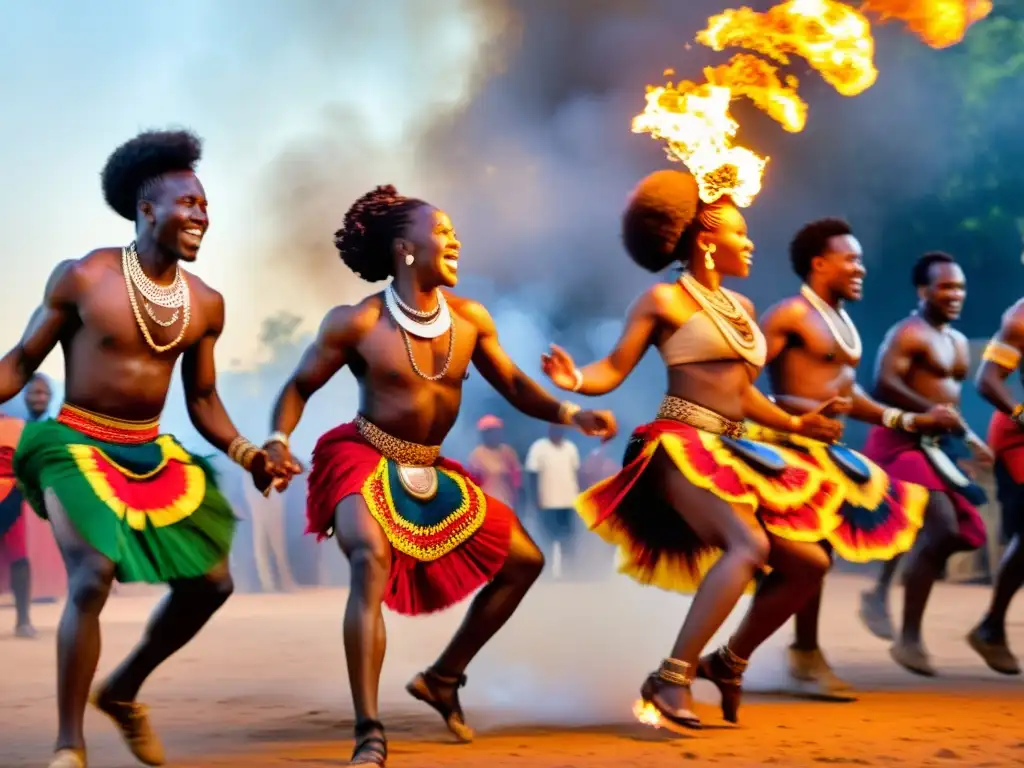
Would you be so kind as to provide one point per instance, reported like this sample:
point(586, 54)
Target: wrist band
point(891, 418)
point(567, 411)
point(577, 375)
point(795, 423)
point(908, 422)
point(242, 451)
point(277, 437)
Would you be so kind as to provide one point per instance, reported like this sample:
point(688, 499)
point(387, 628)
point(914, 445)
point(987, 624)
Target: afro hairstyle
point(659, 213)
point(133, 166)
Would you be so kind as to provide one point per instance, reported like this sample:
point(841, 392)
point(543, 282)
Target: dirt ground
point(264, 685)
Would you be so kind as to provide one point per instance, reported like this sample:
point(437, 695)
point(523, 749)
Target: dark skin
point(922, 363)
point(991, 381)
point(808, 366)
point(365, 338)
point(109, 369)
point(726, 387)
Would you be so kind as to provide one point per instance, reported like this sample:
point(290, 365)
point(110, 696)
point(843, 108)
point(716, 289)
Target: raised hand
point(559, 366)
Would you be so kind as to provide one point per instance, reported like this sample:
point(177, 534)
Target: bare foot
point(442, 694)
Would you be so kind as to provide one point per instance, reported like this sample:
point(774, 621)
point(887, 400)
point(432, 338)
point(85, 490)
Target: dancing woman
point(696, 505)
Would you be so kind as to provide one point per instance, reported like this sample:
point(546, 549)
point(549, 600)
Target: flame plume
point(939, 23)
point(833, 37)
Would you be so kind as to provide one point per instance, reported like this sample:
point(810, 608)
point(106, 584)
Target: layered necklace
point(731, 319)
point(428, 324)
point(832, 317)
point(174, 296)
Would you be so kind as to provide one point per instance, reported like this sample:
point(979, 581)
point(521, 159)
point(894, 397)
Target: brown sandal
point(650, 711)
point(424, 687)
point(724, 669)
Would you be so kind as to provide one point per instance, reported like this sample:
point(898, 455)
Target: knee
point(527, 562)
point(369, 562)
point(89, 584)
point(752, 549)
point(220, 586)
point(941, 526)
point(815, 562)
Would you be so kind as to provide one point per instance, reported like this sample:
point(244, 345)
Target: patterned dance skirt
point(794, 493)
point(448, 537)
point(136, 496)
point(932, 463)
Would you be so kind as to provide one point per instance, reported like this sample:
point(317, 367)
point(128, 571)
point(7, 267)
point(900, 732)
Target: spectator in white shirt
point(553, 464)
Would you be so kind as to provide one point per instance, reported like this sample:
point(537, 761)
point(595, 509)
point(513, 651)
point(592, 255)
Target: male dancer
point(1002, 357)
point(813, 353)
point(124, 501)
point(418, 533)
point(923, 362)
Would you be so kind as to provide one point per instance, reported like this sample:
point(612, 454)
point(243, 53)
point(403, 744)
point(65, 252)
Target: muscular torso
point(109, 367)
point(392, 395)
point(812, 367)
point(939, 363)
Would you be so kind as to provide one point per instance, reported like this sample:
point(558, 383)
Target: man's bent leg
point(936, 541)
point(489, 611)
point(989, 637)
point(179, 617)
point(809, 671)
point(369, 555)
point(90, 575)
point(874, 604)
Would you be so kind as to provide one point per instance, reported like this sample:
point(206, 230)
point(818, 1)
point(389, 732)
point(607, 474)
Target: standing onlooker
point(494, 464)
point(554, 464)
point(269, 540)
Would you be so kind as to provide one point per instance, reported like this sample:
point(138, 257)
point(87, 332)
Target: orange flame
point(832, 37)
point(939, 23)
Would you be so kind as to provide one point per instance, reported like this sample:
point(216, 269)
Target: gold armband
point(242, 452)
point(1002, 355)
point(891, 418)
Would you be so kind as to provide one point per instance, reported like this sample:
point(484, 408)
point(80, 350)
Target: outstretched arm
point(339, 333)
point(494, 364)
point(866, 408)
point(1002, 357)
point(57, 313)
point(603, 376)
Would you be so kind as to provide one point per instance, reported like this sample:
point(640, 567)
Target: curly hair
point(921, 273)
point(371, 225)
point(812, 241)
point(134, 166)
point(658, 215)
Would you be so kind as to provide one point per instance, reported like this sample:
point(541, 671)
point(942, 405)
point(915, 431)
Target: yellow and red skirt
point(448, 538)
point(880, 515)
point(135, 495)
point(789, 495)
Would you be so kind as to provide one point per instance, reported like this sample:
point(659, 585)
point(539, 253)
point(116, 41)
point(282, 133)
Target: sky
point(256, 80)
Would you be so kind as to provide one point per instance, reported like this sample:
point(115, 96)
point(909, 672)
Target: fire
point(939, 23)
point(646, 713)
point(832, 37)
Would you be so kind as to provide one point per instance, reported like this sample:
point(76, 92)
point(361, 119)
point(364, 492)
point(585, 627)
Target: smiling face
point(840, 269)
point(727, 241)
point(176, 210)
point(430, 239)
point(946, 290)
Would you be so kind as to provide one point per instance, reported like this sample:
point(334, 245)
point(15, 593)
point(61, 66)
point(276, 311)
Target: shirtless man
point(813, 353)
point(922, 363)
point(419, 534)
point(1006, 437)
point(124, 501)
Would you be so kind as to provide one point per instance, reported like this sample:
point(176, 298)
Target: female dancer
point(695, 502)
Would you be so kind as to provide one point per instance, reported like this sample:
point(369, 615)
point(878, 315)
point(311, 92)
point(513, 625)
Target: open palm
point(559, 366)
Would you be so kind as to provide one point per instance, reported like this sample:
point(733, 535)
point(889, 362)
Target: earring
point(409, 259)
point(709, 259)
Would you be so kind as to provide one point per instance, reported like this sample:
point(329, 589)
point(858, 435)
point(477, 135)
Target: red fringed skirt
point(443, 548)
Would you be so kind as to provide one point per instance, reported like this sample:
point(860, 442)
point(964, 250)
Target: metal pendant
point(944, 465)
point(419, 482)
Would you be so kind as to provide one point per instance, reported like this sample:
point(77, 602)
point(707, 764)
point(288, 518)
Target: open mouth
point(192, 236)
point(747, 259)
point(451, 261)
